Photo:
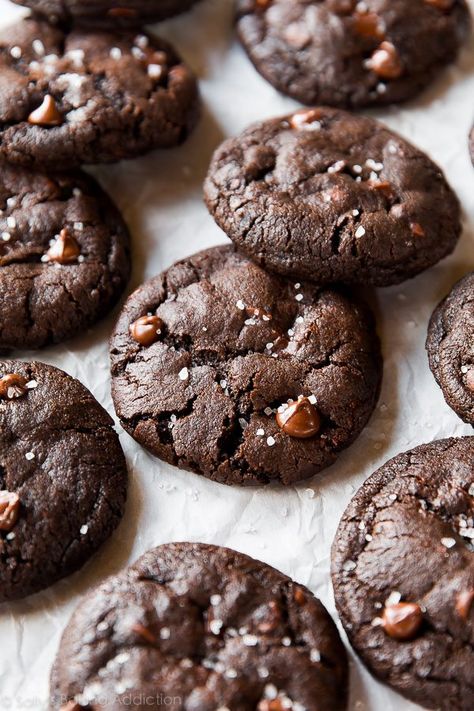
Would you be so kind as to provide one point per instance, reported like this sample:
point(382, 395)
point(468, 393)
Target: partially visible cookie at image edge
point(63, 477)
point(83, 96)
point(64, 256)
point(109, 13)
point(350, 54)
point(207, 626)
point(403, 573)
point(450, 346)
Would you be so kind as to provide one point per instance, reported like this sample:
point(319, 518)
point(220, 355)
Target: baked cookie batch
point(250, 363)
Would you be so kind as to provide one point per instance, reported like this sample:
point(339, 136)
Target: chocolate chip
point(12, 386)
point(368, 24)
point(145, 633)
point(300, 419)
point(299, 597)
point(402, 620)
point(464, 601)
point(65, 250)
point(381, 185)
point(417, 230)
point(303, 118)
point(271, 705)
point(9, 510)
point(47, 114)
point(146, 330)
point(385, 61)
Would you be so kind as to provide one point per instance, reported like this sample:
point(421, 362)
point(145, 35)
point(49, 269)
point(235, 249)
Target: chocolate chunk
point(385, 61)
point(464, 603)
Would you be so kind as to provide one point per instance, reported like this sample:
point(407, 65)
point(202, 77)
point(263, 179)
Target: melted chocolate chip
point(441, 4)
point(299, 597)
point(464, 603)
point(12, 386)
point(368, 24)
point(121, 12)
point(417, 230)
point(146, 330)
point(65, 250)
point(300, 419)
point(47, 114)
point(385, 61)
point(271, 705)
point(402, 620)
point(9, 510)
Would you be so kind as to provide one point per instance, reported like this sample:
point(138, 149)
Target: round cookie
point(329, 196)
point(350, 54)
point(64, 256)
point(246, 378)
point(403, 573)
point(207, 626)
point(68, 98)
point(122, 13)
point(450, 346)
point(63, 477)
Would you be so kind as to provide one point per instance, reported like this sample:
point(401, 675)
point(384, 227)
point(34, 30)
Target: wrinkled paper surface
point(161, 198)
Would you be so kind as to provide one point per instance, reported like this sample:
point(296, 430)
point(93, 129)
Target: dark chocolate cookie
point(403, 573)
point(116, 13)
point(246, 378)
point(209, 629)
point(328, 196)
point(63, 477)
point(68, 98)
point(450, 346)
point(347, 53)
point(64, 256)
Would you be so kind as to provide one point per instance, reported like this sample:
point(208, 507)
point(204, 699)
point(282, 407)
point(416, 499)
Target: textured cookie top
point(329, 196)
point(89, 97)
point(403, 573)
point(450, 346)
point(112, 13)
point(210, 358)
point(62, 476)
point(347, 53)
point(207, 626)
point(64, 256)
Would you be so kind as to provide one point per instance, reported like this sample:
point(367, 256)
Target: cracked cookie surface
point(347, 53)
point(328, 196)
point(61, 458)
point(210, 628)
point(109, 95)
point(122, 13)
point(64, 256)
point(407, 537)
point(235, 344)
point(450, 346)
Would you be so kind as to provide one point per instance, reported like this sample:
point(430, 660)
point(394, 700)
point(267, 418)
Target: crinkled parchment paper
point(292, 529)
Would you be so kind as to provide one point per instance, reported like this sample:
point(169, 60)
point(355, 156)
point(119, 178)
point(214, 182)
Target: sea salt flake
point(394, 598)
point(250, 640)
point(299, 297)
point(165, 633)
point(29, 456)
point(271, 441)
point(183, 374)
point(286, 642)
point(38, 47)
point(16, 52)
point(215, 599)
point(360, 231)
point(215, 626)
point(6, 236)
point(315, 655)
point(448, 542)
point(83, 530)
point(240, 305)
point(260, 432)
point(349, 565)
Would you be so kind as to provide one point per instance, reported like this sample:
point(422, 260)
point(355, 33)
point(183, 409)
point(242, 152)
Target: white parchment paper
point(161, 198)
